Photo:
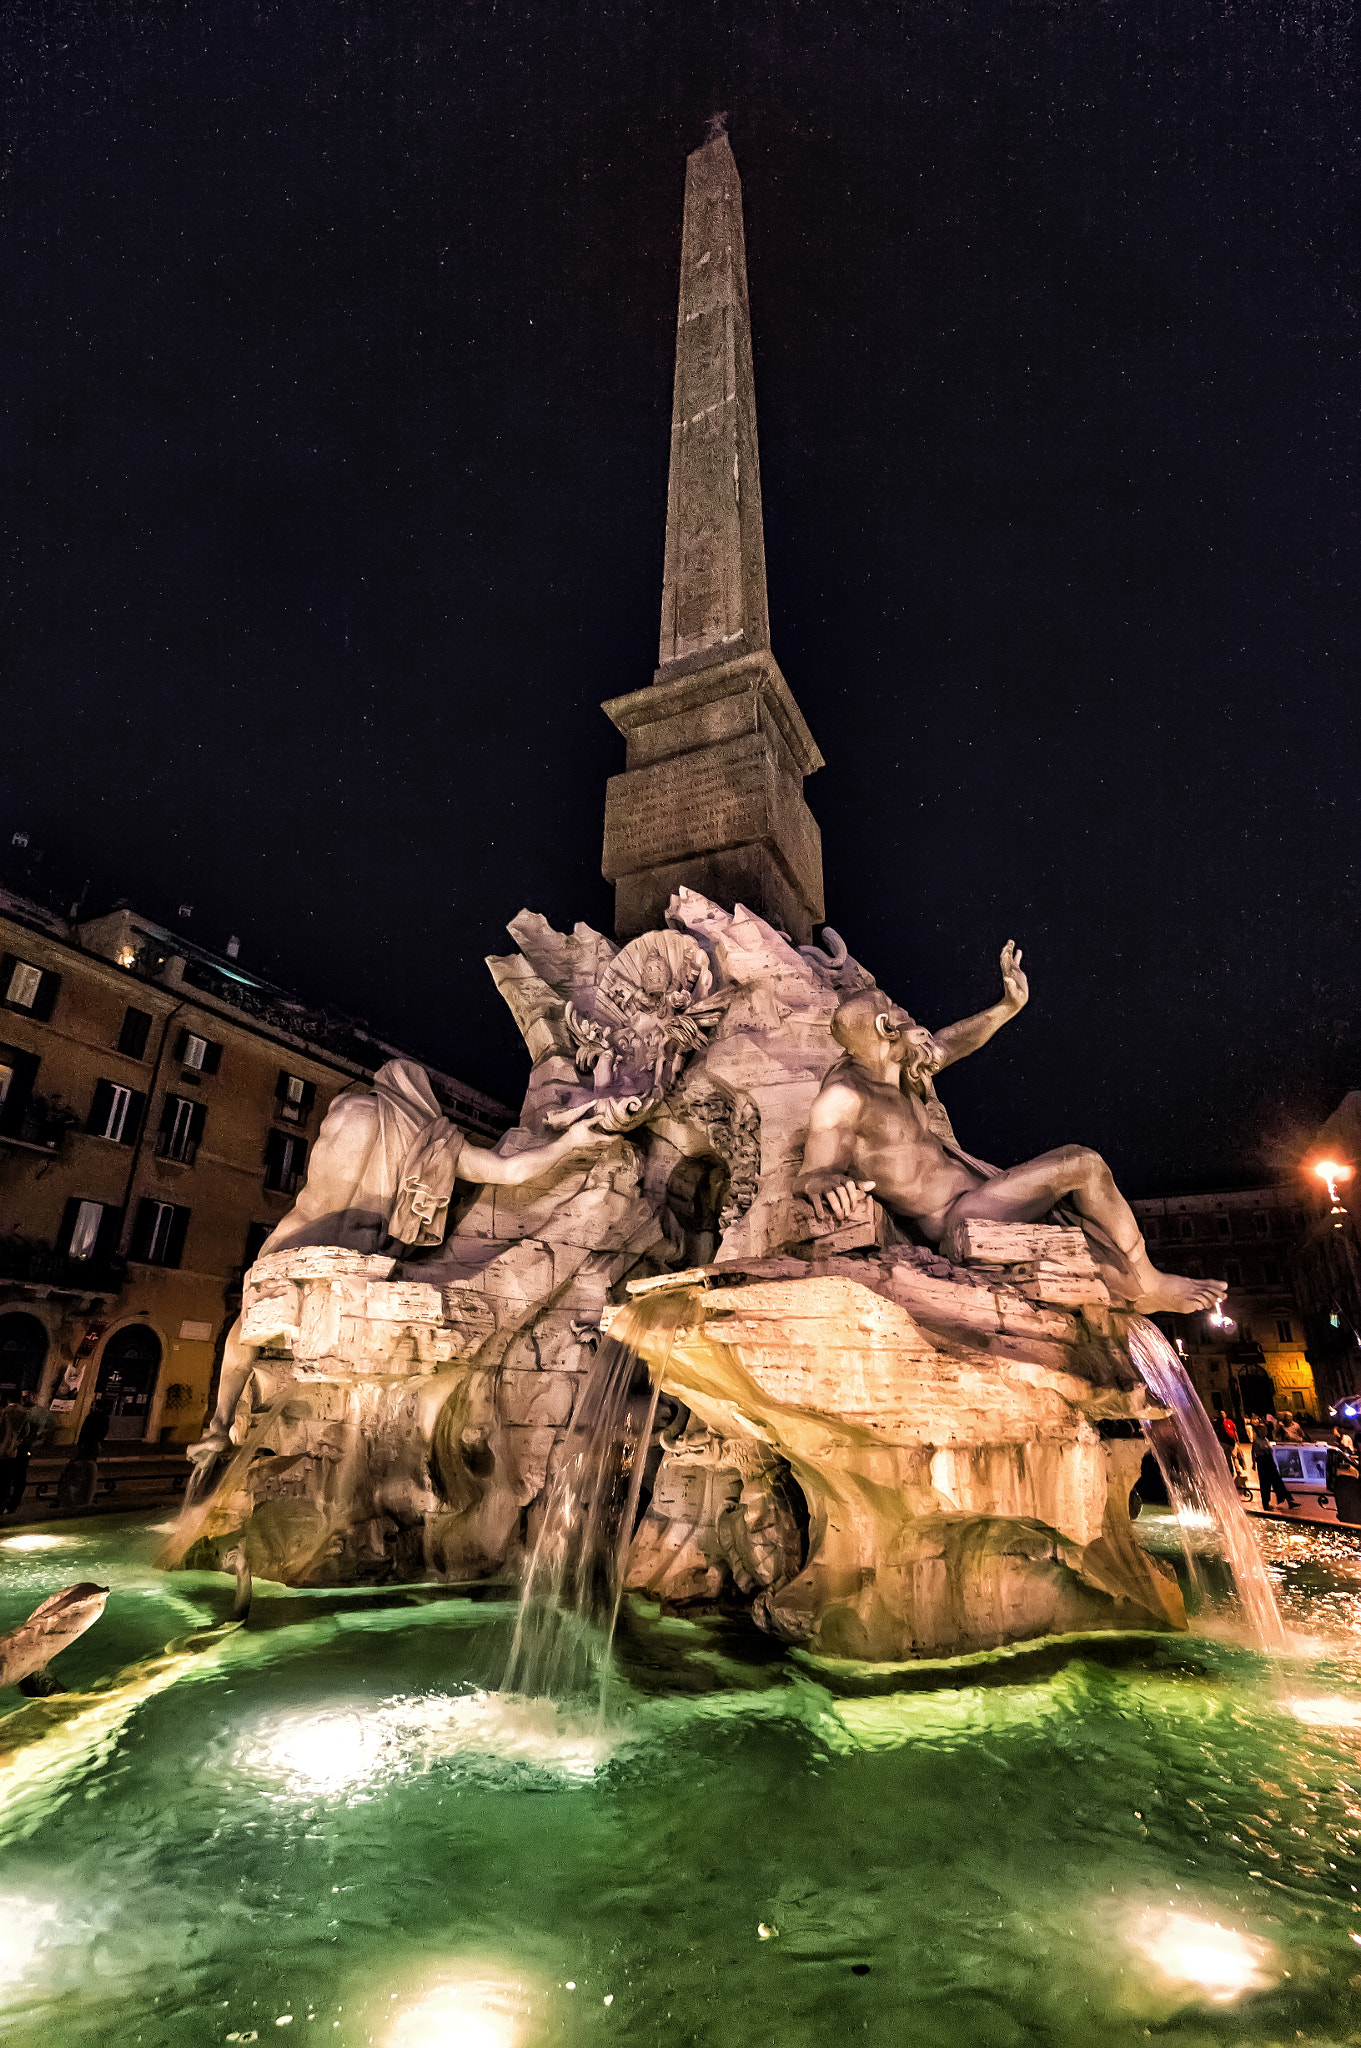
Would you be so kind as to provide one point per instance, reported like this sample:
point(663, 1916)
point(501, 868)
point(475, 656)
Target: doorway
point(127, 1380)
point(23, 1353)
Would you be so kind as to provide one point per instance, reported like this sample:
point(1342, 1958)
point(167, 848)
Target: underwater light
point(22, 1925)
point(478, 2012)
point(35, 1542)
point(1327, 1713)
point(1217, 1960)
point(324, 1752)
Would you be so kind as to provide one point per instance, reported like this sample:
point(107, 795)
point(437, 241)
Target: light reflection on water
point(348, 1747)
point(339, 1822)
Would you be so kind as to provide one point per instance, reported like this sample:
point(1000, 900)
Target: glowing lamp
point(1215, 1961)
point(1330, 1172)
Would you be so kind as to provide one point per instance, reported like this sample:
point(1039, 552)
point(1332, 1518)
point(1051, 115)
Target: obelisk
point(712, 793)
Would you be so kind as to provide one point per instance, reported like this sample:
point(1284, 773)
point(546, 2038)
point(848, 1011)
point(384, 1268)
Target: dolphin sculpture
point(26, 1651)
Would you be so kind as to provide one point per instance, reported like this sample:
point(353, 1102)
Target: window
point(24, 983)
point(1245, 1333)
point(1223, 1226)
point(295, 1098)
point(1261, 1223)
point(116, 1113)
point(1284, 1331)
point(1271, 1273)
point(1233, 1273)
point(26, 987)
point(133, 1037)
point(159, 1232)
point(85, 1230)
point(255, 1238)
point(181, 1129)
point(1188, 1228)
point(199, 1055)
point(17, 1072)
point(89, 1230)
point(285, 1163)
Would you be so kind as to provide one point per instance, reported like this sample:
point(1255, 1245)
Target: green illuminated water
point(325, 1830)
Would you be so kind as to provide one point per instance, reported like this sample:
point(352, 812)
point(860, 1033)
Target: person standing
point(16, 1448)
point(1268, 1477)
point(1242, 1455)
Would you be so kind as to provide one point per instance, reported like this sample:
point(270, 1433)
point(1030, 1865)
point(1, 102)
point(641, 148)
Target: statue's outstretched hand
point(1014, 984)
point(840, 1193)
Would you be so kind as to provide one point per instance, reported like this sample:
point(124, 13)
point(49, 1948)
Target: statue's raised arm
point(957, 1041)
point(877, 1123)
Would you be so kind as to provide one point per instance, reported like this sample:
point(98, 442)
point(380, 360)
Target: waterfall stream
point(574, 1581)
point(1199, 1485)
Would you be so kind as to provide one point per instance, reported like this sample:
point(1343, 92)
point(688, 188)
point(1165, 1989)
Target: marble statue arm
point(517, 1169)
point(829, 1152)
point(957, 1041)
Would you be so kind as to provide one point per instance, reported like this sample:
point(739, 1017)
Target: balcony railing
point(40, 1266)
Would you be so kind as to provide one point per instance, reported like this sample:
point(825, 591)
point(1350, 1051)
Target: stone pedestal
point(711, 798)
point(967, 1485)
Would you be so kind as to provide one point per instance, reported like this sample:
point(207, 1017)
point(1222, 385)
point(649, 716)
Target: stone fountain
point(901, 1415)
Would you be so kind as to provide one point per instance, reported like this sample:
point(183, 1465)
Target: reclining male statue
point(877, 1123)
point(380, 1177)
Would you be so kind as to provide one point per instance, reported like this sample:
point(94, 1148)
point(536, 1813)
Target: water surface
point(330, 1826)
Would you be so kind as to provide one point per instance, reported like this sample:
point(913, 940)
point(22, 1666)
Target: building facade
point(157, 1107)
point(1328, 1258)
point(1256, 1357)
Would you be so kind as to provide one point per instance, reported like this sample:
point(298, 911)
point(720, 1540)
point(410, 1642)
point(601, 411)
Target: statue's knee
point(1091, 1166)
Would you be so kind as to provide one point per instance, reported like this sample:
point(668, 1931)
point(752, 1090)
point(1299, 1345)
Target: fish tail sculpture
point(26, 1651)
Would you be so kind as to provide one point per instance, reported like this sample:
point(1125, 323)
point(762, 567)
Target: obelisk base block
point(738, 874)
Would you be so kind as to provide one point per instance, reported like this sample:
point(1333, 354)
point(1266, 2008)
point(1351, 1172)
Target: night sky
point(338, 380)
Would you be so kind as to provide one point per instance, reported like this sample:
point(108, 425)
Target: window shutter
point(281, 1086)
point(198, 1117)
point(168, 1111)
point(179, 1229)
point(133, 1037)
point(133, 1122)
point(110, 1229)
point(68, 1224)
point(98, 1120)
point(143, 1227)
point(181, 1043)
point(45, 1000)
point(274, 1160)
point(212, 1057)
point(309, 1096)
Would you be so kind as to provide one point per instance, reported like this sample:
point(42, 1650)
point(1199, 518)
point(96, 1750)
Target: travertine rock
point(956, 1502)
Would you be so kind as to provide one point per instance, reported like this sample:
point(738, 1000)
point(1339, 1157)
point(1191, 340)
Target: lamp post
point(1335, 1173)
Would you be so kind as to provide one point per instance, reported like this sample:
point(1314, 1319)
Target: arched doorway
point(23, 1352)
point(127, 1380)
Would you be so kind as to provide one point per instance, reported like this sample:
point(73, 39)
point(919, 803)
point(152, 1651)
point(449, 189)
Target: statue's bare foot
point(1172, 1294)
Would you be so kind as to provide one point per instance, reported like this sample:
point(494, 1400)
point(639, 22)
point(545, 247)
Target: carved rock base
point(959, 1497)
